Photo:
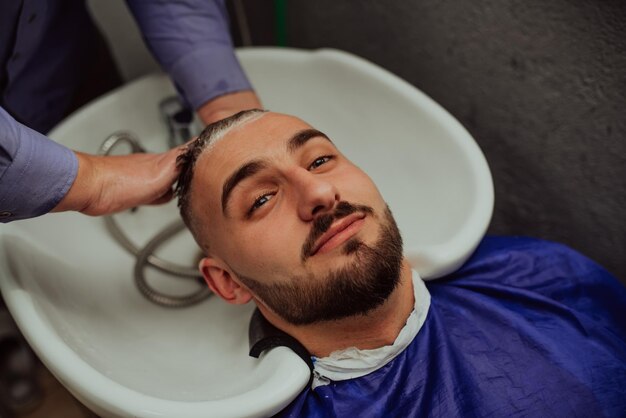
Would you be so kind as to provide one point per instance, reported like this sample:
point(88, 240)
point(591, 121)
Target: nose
point(316, 195)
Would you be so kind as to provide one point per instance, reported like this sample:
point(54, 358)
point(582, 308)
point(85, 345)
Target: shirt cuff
point(207, 73)
point(38, 177)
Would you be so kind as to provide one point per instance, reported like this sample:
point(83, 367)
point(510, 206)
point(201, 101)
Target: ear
point(220, 281)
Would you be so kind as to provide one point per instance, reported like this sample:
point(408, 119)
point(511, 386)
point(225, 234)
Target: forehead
point(270, 129)
point(255, 139)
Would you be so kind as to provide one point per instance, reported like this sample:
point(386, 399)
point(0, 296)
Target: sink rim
point(92, 383)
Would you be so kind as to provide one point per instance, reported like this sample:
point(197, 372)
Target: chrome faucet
point(179, 121)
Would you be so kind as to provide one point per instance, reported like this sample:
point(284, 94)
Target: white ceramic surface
point(70, 288)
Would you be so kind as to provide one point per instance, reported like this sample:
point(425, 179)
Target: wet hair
point(187, 162)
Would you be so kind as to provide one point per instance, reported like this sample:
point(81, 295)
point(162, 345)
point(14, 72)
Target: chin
point(352, 246)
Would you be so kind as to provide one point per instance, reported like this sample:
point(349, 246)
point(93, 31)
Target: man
point(524, 328)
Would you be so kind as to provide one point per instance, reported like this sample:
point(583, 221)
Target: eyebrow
point(251, 168)
point(301, 137)
point(243, 172)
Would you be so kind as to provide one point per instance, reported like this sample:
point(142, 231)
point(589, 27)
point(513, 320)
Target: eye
point(260, 201)
point(320, 161)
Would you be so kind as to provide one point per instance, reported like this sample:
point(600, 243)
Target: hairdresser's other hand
point(227, 105)
point(109, 184)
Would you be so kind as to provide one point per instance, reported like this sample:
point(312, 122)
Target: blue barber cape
point(525, 328)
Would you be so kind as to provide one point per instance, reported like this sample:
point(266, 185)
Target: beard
point(357, 288)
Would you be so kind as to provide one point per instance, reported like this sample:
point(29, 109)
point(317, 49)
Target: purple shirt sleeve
point(191, 40)
point(35, 172)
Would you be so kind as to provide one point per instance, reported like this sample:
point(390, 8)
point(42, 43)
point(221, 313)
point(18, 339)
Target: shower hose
point(145, 256)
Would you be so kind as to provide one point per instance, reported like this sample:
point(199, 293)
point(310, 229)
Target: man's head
point(284, 218)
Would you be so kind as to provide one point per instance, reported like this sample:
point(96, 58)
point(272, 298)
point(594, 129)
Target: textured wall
point(540, 85)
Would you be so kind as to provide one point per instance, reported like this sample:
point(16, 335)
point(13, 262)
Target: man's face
point(293, 220)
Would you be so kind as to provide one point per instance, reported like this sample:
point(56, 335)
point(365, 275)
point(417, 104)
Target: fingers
point(227, 105)
point(166, 197)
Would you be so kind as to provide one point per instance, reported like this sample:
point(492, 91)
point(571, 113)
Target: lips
point(335, 229)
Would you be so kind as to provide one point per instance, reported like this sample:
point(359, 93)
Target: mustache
point(322, 223)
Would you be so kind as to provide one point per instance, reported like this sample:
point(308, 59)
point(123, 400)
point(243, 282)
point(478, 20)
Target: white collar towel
point(352, 362)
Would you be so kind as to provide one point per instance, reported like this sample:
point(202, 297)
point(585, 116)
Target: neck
point(376, 329)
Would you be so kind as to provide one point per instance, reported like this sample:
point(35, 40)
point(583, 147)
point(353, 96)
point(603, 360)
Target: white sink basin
point(70, 286)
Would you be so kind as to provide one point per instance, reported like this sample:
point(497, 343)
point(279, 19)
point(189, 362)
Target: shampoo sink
point(70, 288)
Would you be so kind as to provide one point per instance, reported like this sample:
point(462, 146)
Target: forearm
point(191, 41)
point(37, 176)
point(78, 196)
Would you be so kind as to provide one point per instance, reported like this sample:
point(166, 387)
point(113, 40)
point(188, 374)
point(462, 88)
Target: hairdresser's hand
point(224, 106)
point(109, 184)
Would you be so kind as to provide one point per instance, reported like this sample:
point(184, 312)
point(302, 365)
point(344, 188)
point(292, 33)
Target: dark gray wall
point(541, 85)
